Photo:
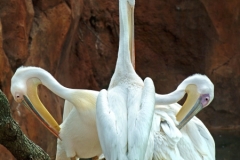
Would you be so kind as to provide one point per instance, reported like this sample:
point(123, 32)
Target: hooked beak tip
point(30, 106)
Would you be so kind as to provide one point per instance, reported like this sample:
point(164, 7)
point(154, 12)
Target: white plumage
point(193, 141)
point(78, 130)
point(128, 126)
point(125, 111)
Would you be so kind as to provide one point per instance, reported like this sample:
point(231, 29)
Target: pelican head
point(24, 85)
point(200, 92)
point(18, 89)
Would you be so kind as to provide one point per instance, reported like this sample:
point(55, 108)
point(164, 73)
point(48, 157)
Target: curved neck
point(170, 98)
point(177, 95)
point(77, 97)
point(49, 81)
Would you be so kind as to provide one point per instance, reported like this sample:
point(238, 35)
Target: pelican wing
point(68, 106)
point(202, 139)
point(196, 140)
point(140, 141)
point(111, 126)
point(167, 135)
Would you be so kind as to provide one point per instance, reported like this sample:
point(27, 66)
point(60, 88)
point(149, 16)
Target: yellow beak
point(33, 103)
point(190, 107)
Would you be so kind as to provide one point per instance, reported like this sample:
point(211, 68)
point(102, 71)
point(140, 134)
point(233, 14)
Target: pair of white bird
point(129, 121)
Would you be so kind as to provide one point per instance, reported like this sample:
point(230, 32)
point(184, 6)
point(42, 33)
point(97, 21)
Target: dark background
point(77, 42)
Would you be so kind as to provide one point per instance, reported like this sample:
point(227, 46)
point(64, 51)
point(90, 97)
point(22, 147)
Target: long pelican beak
point(131, 33)
point(191, 106)
point(32, 102)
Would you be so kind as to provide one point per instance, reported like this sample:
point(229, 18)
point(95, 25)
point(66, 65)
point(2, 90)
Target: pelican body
point(123, 118)
point(125, 111)
point(127, 108)
point(78, 132)
point(186, 139)
point(193, 141)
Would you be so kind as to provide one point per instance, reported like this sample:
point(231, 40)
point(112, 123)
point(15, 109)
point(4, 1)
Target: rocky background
point(77, 42)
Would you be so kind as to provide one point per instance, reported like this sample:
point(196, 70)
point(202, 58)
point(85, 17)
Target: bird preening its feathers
point(78, 132)
point(80, 104)
point(128, 120)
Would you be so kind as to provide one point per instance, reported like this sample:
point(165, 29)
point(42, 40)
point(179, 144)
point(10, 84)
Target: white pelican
point(193, 141)
point(137, 130)
point(122, 124)
point(78, 131)
point(125, 111)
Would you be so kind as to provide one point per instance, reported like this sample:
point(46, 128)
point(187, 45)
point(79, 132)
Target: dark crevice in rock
point(225, 63)
point(68, 4)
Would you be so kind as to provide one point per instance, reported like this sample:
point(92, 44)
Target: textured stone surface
point(77, 42)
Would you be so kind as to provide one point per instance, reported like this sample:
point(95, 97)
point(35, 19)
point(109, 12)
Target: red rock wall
point(77, 42)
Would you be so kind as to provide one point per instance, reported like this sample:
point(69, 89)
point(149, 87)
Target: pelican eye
point(205, 99)
point(18, 97)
